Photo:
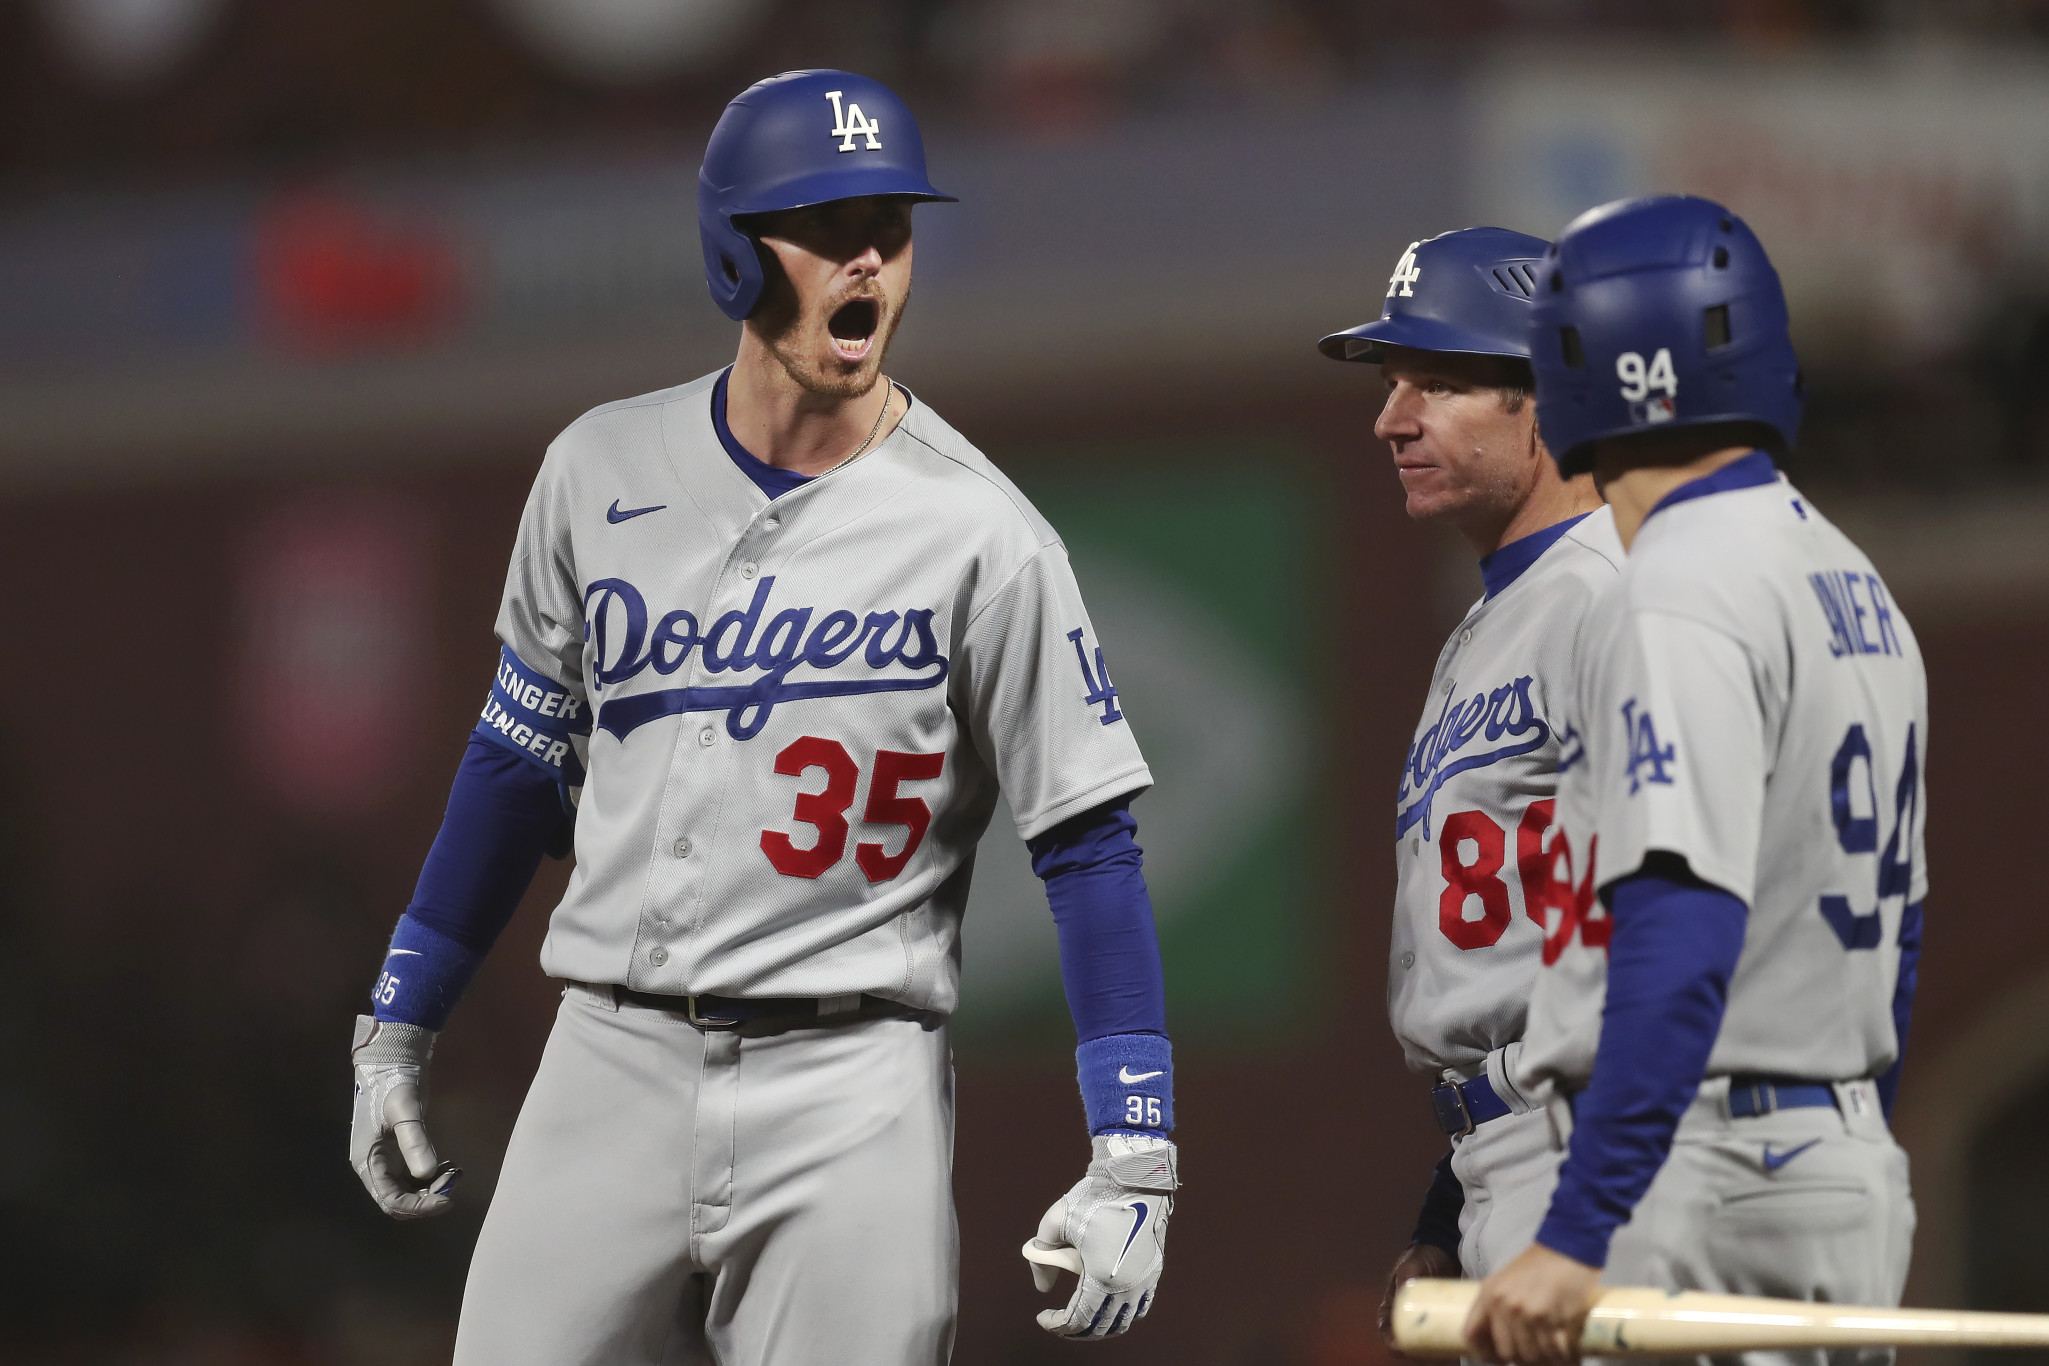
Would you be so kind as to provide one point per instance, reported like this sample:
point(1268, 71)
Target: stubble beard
point(804, 350)
point(1482, 502)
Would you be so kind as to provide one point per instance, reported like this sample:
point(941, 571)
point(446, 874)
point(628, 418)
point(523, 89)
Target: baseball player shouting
point(782, 636)
point(1733, 917)
point(1476, 794)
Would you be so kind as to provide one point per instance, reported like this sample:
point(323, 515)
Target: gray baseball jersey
point(801, 711)
point(1475, 806)
point(1751, 699)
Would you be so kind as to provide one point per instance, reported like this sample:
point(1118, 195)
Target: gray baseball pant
point(1804, 1204)
point(1507, 1168)
point(685, 1196)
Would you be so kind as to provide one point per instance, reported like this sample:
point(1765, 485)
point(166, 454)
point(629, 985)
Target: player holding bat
point(1733, 915)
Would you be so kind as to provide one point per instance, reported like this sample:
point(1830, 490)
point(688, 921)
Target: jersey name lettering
point(1507, 710)
point(1847, 613)
point(738, 641)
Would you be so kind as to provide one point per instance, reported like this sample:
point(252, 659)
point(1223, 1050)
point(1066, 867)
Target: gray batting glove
point(388, 1144)
point(1114, 1224)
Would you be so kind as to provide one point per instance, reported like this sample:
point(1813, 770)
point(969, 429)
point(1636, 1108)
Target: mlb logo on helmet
point(1660, 312)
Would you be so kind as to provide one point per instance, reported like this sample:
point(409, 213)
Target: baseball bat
point(1430, 1321)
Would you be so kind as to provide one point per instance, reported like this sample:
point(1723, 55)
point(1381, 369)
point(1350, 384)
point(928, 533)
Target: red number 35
point(826, 810)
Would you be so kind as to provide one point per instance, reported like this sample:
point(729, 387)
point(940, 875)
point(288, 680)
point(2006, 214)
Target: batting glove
point(388, 1144)
point(1115, 1222)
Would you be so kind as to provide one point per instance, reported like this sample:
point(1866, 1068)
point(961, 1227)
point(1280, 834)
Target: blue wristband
point(1127, 1083)
point(425, 974)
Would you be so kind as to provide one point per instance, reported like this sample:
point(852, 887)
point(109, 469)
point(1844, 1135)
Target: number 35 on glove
point(1111, 1231)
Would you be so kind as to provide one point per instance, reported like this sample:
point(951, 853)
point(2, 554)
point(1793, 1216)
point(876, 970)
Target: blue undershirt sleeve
point(1902, 1004)
point(504, 814)
point(1110, 965)
point(1437, 1224)
point(1672, 952)
point(507, 808)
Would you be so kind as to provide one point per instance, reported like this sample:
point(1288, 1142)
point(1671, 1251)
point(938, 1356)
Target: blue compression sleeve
point(1437, 1225)
point(1110, 966)
point(1902, 1004)
point(1674, 947)
point(504, 813)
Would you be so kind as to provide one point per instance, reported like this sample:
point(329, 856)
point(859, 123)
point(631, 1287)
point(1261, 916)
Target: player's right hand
point(1420, 1261)
point(388, 1143)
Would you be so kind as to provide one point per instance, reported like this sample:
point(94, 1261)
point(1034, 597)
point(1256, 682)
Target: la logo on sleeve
point(1644, 749)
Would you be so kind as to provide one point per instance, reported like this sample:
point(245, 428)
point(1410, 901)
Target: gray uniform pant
point(1806, 1204)
point(1507, 1168)
point(684, 1196)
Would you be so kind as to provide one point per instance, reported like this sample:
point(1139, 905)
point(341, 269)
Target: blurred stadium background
point(292, 296)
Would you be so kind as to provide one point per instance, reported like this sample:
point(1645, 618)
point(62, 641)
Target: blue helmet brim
point(853, 183)
point(1368, 341)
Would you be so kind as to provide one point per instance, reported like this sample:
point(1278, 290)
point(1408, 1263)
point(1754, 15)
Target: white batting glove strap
point(1116, 1218)
point(388, 1143)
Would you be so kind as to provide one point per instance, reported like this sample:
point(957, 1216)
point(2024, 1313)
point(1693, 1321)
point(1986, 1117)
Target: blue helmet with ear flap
point(791, 141)
point(1658, 313)
point(1466, 291)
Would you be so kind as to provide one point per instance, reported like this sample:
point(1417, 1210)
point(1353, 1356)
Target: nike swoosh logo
point(414, 952)
point(1140, 1212)
point(615, 516)
point(1127, 1076)
point(1772, 1164)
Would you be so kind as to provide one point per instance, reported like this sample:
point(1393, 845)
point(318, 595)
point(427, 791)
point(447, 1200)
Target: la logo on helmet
point(1406, 273)
point(850, 122)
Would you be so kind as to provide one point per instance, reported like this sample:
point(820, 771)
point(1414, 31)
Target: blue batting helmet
point(1657, 313)
point(1465, 291)
point(801, 138)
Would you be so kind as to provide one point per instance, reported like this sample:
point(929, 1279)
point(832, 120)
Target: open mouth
point(852, 326)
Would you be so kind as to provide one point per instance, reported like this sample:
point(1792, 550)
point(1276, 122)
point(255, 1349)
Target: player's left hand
point(1116, 1219)
point(1533, 1310)
point(388, 1143)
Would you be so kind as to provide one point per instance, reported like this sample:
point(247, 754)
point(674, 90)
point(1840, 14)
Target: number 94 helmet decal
point(1658, 313)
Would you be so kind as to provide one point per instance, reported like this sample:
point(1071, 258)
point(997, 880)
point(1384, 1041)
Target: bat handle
point(1430, 1316)
point(1065, 1258)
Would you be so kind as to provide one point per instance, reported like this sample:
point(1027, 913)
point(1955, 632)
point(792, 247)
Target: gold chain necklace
point(888, 394)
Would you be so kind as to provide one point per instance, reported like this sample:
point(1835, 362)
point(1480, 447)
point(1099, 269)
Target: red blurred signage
point(335, 638)
point(335, 276)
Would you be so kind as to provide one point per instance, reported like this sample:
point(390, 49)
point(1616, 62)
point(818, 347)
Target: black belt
point(723, 1012)
point(1463, 1106)
point(1751, 1095)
